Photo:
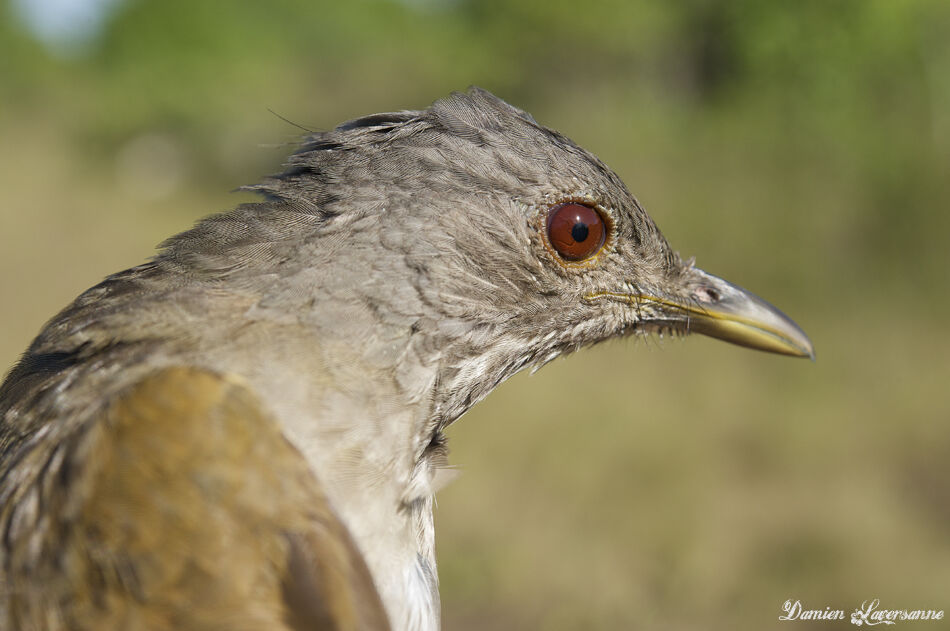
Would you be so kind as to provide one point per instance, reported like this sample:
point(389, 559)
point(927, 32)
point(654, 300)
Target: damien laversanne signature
point(869, 613)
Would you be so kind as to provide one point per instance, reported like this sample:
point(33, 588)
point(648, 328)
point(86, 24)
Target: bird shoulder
point(194, 512)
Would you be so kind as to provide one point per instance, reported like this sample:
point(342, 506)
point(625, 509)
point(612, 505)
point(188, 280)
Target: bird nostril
point(706, 294)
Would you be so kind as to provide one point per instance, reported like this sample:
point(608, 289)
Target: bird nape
point(244, 432)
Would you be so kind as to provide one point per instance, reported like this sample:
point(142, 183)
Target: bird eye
point(576, 231)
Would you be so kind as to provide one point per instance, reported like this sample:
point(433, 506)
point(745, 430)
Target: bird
point(247, 430)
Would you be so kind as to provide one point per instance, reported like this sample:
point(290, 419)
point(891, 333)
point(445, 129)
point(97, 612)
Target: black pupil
point(579, 232)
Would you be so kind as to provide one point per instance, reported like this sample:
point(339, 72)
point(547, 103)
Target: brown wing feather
point(197, 514)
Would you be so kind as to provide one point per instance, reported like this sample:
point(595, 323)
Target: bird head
point(478, 241)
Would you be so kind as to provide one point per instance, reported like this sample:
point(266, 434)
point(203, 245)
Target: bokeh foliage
point(800, 149)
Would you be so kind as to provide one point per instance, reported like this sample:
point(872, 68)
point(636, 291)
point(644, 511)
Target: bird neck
point(356, 397)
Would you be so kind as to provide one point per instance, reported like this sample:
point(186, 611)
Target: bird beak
point(717, 308)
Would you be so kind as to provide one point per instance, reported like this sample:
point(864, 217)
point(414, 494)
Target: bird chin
point(662, 328)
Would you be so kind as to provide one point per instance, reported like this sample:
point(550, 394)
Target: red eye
point(576, 231)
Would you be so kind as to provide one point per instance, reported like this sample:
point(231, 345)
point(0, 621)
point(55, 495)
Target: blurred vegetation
point(799, 149)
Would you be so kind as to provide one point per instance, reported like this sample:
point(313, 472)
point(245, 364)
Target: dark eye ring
point(576, 231)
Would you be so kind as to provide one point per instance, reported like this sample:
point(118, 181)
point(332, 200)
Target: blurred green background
point(799, 149)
